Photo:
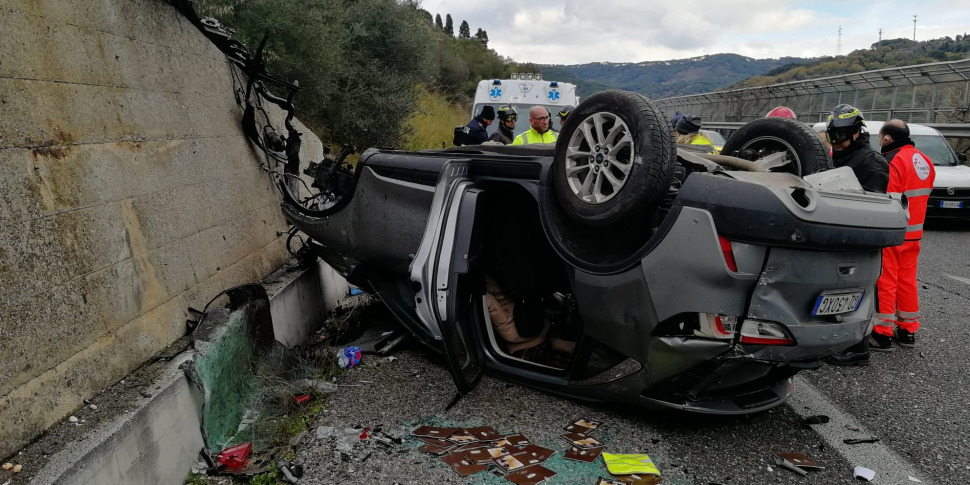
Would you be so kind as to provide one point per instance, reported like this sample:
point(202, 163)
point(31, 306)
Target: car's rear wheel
point(804, 152)
point(613, 159)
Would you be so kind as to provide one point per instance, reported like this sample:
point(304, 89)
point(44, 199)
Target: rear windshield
point(935, 147)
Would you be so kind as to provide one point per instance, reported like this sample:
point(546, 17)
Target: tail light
point(717, 326)
point(728, 253)
point(758, 332)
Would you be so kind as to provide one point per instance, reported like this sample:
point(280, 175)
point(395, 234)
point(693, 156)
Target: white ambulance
point(524, 91)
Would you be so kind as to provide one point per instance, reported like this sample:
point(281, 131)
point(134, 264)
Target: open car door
point(442, 274)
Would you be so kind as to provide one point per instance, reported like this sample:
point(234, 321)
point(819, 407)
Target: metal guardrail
point(948, 130)
point(935, 94)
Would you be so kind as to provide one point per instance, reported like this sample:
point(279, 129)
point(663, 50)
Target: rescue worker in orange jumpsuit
point(911, 174)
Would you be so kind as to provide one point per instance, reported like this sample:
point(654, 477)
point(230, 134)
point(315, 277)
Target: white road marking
point(889, 466)
point(961, 280)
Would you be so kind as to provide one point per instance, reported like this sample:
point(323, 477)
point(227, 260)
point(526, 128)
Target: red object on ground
point(302, 398)
point(366, 434)
point(235, 456)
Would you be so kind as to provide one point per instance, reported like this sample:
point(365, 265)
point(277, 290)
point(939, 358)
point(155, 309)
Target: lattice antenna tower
point(880, 37)
point(914, 27)
point(838, 48)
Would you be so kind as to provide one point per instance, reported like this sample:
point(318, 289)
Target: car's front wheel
point(613, 159)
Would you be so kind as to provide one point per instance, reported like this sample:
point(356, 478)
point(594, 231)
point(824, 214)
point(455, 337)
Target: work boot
point(905, 337)
point(881, 343)
point(858, 354)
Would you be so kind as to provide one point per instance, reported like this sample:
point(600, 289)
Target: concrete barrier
point(156, 439)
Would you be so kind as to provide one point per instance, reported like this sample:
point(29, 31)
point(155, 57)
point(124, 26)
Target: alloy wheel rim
point(599, 158)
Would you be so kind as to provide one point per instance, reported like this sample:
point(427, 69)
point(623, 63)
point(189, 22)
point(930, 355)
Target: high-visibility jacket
point(696, 139)
point(911, 173)
point(533, 136)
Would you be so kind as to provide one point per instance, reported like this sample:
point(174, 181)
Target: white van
point(524, 91)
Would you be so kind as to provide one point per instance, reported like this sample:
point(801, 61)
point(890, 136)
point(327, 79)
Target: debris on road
point(856, 441)
point(863, 473)
point(817, 419)
point(235, 457)
point(588, 456)
point(530, 475)
point(782, 462)
point(291, 472)
point(583, 426)
point(348, 357)
point(799, 460)
point(473, 450)
point(630, 464)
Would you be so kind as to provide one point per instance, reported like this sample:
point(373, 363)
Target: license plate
point(835, 303)
point(951, 204)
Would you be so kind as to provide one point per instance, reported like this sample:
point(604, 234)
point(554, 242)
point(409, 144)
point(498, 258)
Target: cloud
point(580, 31)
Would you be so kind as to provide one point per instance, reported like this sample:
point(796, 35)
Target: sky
point(582, 31)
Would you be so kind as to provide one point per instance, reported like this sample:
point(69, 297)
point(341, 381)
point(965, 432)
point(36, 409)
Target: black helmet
point(845, 121)
point(507, 112)
point(846, 116)
point(564, 112)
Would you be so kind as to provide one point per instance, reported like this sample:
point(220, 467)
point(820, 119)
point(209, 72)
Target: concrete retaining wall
point(127, 194)
point(156, 439)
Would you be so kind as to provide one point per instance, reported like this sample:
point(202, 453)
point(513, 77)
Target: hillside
point(881, 55)
point(663, 79)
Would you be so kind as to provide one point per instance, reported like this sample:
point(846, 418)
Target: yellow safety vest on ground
point(533, 136)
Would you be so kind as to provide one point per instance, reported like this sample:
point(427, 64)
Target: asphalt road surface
point(915, 401)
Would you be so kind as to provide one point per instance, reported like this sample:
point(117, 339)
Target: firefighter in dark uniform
point(507, 116)
point(851, 148)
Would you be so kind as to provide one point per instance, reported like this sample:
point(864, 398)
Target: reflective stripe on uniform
point(918, 192)
point(914, 228)
point(883, 320)
point(908, 315)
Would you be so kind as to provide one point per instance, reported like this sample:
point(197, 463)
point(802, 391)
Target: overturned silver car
point(644, 272)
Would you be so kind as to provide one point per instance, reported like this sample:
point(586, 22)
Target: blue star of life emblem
point(495, 93)
point(553, 95)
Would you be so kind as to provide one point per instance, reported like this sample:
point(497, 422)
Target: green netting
point(227, 382)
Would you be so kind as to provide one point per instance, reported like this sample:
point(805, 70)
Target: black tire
point(629, 159)
point(807, 152)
